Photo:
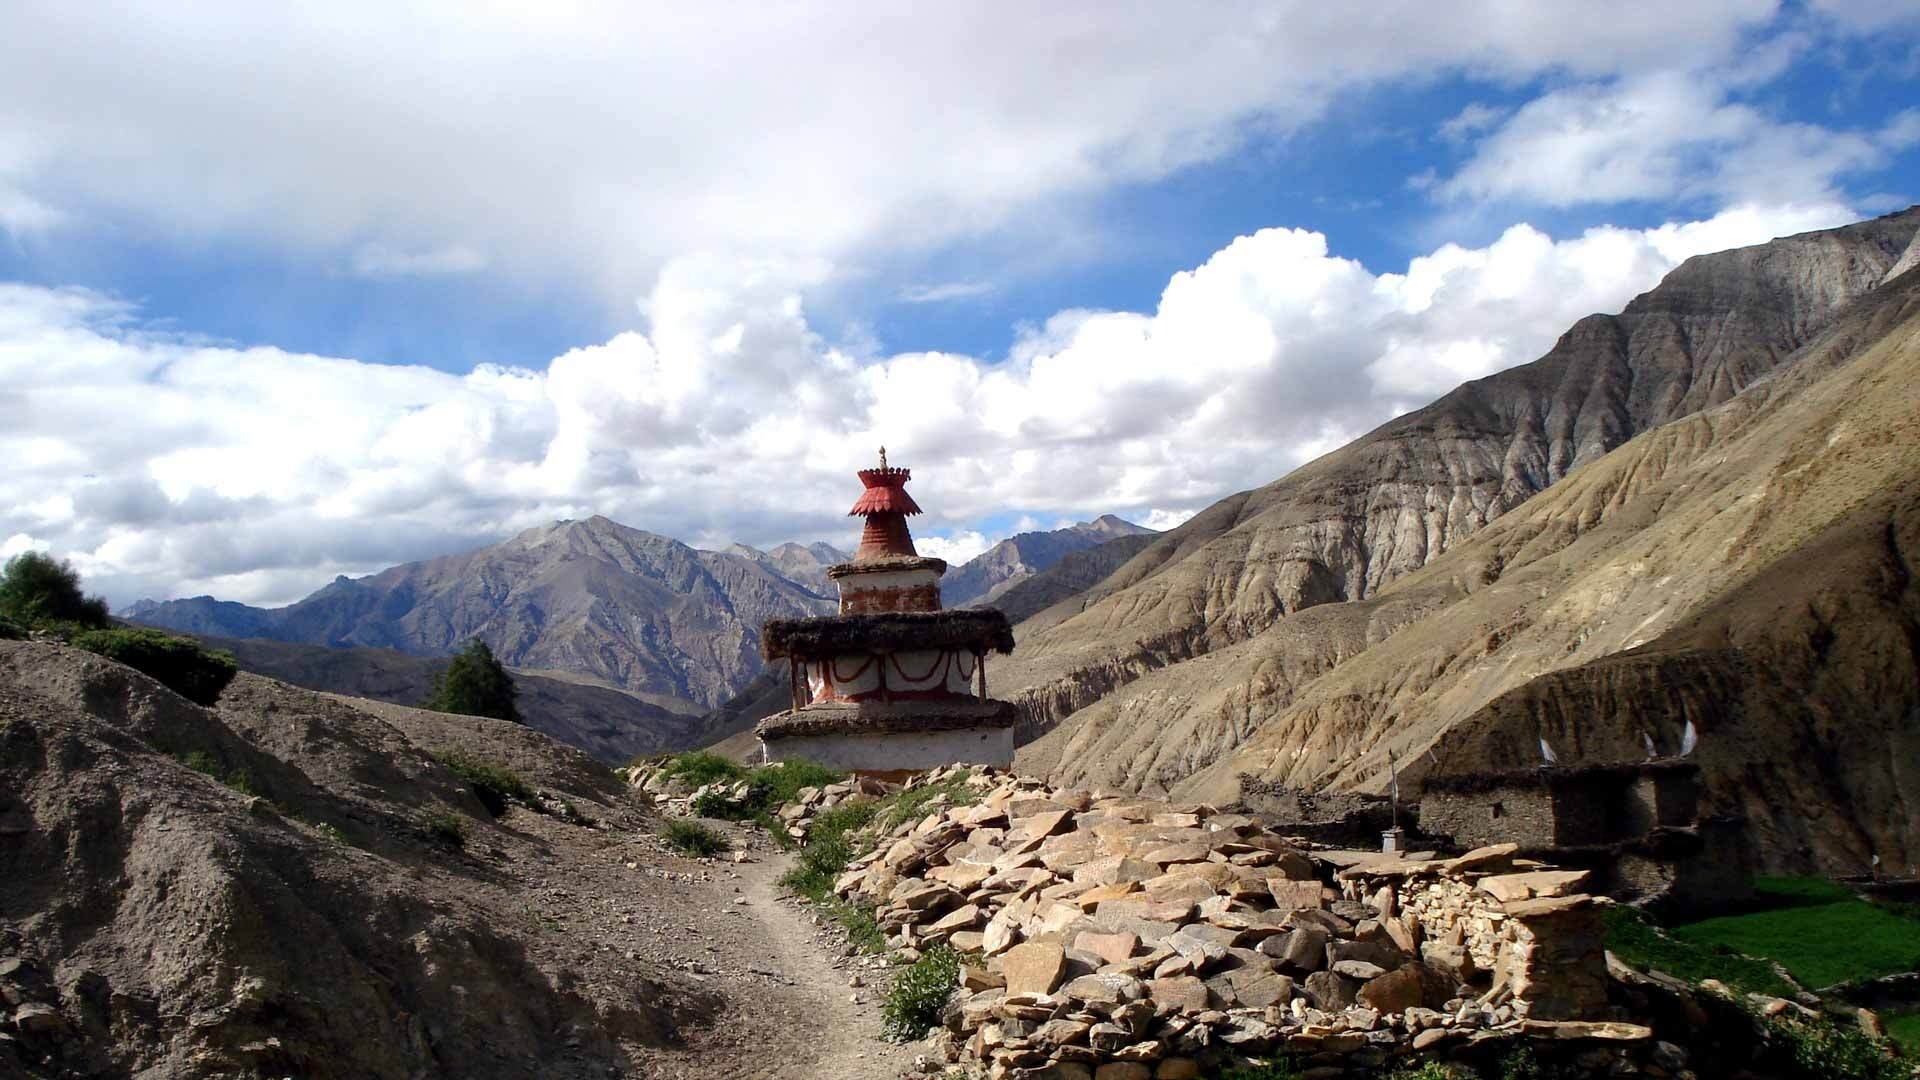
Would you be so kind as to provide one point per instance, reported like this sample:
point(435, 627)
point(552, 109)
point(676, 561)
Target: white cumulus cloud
point(167, 465)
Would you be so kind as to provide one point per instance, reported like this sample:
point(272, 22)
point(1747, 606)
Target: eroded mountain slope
point(1748, 567)
point(1347, 524)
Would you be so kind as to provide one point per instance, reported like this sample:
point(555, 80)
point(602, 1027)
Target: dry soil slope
point(644, 612)
point(1748, 568)
point(1347, 524)
point(178, 927)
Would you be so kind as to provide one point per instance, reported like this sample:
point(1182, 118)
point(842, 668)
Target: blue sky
point(389, 284)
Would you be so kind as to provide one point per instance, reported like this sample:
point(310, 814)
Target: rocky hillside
point(613, 725)
point(984, 578)
point(643, 612)
point(1745, 565)
point(300, 918)
point(1343, 526)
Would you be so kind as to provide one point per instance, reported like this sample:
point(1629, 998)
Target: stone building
point(1636, 825)
point(894, 683)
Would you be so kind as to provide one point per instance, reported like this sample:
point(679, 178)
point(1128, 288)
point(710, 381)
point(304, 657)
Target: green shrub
point(206, 764)
point(475, 683)
point(1819, 1050)
point(693, 838)
point(10, 630)
point(700, 767)
point(1520, 1063)
point(447, 827)
point(37, 589)
point(492, 783)
point(919, 994)
point(185, 666)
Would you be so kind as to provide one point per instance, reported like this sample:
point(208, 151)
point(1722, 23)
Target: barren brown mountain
point(1745, 564)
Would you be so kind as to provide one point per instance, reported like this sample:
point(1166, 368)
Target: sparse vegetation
point(38, 590)
point(494, 784)
point(768, 788)
point(475, 683)
point(1430, 1070)
point(1818, 930)
point(1819, 1050)
point(183, 665)
point(920, 991)
point(447, 827)
point(693, 838)
point(10, 630)
point(824, 858)
point(239, 780)
point(916, 803)
point(698, 767)
point(1520, 1063)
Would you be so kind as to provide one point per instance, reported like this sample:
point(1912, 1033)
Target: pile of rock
point(1120, 938)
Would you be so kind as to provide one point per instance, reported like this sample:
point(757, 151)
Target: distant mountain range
point(648, 618)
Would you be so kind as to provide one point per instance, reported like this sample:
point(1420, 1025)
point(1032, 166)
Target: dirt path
point(793, 1014)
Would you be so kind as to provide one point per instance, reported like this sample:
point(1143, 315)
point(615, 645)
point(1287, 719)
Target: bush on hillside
point(10, 630)
point(183, 665)
point(693, 838)
point(475, 683)
point(492, 783)
point(37, 590)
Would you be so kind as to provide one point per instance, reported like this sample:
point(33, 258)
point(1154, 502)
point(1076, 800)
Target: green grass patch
point(492, 783)
point(1904, 1029)
point(919, 994)
point(1819, 931)
point(693, 838)
point(1635, 939)
point(698, 767)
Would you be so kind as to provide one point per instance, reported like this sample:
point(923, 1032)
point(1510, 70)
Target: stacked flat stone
point(1117, 938)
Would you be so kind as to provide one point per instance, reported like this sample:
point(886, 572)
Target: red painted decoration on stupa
point(885, 504)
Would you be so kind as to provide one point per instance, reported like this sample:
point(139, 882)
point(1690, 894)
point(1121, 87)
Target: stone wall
point(1525, 816)
point(1112, 936)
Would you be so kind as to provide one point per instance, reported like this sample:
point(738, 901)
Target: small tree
point(36, 589)
point(475, 684)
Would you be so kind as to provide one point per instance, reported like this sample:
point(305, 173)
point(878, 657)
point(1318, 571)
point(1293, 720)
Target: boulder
point(1033, 968)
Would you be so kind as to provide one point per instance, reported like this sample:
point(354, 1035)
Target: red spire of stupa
point(885, 504)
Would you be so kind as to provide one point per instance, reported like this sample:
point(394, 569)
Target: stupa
point(894, 683)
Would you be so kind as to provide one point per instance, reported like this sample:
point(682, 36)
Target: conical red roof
point(886, 493)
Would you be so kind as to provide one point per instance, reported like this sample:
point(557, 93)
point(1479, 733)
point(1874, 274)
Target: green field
point(1819, 931)
point(1904, 1028)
